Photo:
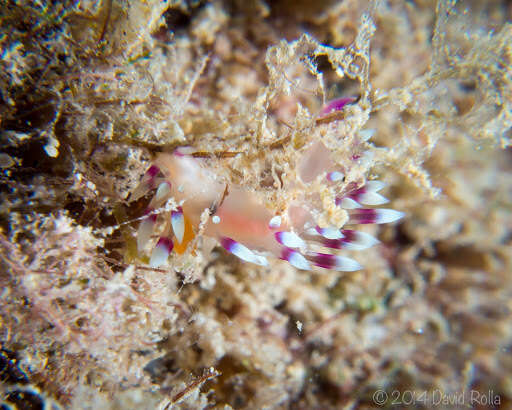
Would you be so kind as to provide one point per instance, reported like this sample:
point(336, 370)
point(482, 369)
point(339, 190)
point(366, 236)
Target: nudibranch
point(244, 226)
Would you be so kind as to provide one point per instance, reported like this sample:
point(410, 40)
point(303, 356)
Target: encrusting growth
point(247, 228)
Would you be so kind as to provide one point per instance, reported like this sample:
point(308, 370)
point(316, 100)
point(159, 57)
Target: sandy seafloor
point(94, 92)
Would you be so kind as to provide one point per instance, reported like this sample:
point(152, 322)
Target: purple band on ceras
point(151, 174)
point(337, 105)
point(161, 252)
point(146, 228)
point(374, 216)
point(295, 259)
point(178, 224)
point(339, 263)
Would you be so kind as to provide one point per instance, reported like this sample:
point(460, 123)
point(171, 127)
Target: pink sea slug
point(244, 226)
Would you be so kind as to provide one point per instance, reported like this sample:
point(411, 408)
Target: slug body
point(246, 227)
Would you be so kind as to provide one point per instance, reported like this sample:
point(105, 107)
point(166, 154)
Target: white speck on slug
point(275, 222)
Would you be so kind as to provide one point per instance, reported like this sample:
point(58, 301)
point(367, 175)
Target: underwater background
point(93, 92)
